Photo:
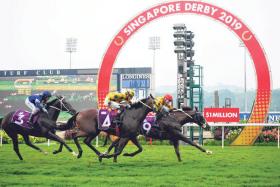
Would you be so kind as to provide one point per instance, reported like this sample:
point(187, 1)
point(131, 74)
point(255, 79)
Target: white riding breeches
point(30, 105)
point(114, 105)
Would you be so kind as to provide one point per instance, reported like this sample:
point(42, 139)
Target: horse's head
point(196, 117)
point(60, 104)
point(149, 102)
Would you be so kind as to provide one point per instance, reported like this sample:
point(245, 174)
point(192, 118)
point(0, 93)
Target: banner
point(221, 114)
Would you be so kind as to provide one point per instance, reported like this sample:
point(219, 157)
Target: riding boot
point(30, 119)
point(117, 119)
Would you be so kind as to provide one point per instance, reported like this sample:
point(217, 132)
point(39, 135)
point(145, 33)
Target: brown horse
point(85, 124)
point(170, 129)
point(43, 127)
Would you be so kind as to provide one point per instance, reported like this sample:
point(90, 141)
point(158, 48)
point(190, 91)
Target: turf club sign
point(263, 92)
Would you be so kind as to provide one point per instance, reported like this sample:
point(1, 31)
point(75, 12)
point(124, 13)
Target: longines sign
point(135, 76)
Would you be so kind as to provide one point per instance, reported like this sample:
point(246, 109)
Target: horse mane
point(51, 102)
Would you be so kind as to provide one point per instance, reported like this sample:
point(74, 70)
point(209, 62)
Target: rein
point(180, 110)
point(145, 104)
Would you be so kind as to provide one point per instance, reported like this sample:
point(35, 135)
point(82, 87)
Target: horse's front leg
point(135, 142)
point(178, 135)
point(113, 144)
point(122, 143)
point(54, 137)
point(59, 149)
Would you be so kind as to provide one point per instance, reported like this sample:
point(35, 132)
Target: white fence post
point(223, 136)
point(278, 137)
point(223, 125)
point(96, 141)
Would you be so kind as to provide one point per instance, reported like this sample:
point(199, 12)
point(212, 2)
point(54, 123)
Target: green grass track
point(156, 166)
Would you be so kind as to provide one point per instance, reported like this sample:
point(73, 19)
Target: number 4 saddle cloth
point(21, 117)
point(106, 118)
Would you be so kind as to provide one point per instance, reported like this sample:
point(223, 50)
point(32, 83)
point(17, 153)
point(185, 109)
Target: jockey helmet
point(129, 93)
point(168, 97)
point(46, 94)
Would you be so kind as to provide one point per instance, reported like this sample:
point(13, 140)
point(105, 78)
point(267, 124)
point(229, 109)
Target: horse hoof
point(74, 154)
point(126, 154)
point(101, 155)
point(100, 159)
point(208, 152)
point(55, 152)
point(79, 156)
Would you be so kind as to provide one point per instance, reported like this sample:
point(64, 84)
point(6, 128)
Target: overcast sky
point(33, 35)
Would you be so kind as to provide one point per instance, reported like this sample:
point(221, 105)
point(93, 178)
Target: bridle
point(61, 105)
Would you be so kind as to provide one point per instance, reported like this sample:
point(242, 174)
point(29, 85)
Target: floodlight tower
point(71, 47)
point(154, 44)
point(189, 75)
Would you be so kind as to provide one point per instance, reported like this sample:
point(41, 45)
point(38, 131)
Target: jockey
point(118, 101)
point(36, 103)
point(163, 105)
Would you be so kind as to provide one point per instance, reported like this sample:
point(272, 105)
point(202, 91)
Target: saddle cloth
point(105, 118)
point(149, 124)
point(21, 117)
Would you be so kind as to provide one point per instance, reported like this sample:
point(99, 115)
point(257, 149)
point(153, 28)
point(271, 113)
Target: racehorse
point(86, 125)
point(183, 116)
point(169, 129)
point(44, 124)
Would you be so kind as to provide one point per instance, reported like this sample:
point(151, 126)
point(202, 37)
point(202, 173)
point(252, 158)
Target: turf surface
point(156, 166)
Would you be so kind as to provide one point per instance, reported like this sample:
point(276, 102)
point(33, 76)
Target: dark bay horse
point(170, 129)
point(43, 127)
point(85, 124)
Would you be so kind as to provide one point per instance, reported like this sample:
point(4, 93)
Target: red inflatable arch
point(263, 93)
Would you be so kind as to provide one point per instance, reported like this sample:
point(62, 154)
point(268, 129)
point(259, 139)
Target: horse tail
point(69, 125)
